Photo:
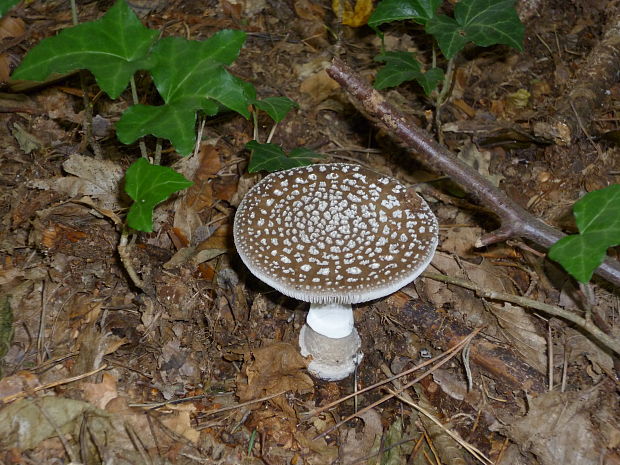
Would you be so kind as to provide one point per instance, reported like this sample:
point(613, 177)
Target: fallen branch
point(587, 325)
point(515, 221)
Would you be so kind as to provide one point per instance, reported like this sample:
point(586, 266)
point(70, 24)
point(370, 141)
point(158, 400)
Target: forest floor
point(201, 364)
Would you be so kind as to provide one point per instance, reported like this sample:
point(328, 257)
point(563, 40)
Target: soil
point(193, 360)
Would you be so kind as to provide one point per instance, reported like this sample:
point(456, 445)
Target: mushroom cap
point(334, 233)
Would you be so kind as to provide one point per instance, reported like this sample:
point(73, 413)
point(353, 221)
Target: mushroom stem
point(333, 359)
point(332, 320)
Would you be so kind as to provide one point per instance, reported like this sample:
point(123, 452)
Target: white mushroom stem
point(331, 320)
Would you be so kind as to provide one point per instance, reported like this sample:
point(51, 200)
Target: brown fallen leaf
point(271, 369)
point(99, 394)
point(11, 27)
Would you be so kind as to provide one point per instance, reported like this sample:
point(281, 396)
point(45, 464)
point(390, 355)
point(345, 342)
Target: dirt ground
point(200, 365)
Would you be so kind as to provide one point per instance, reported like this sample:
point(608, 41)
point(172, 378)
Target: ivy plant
point(597, 215)
point(190, 76)
point(6, 5)
point(482, 22)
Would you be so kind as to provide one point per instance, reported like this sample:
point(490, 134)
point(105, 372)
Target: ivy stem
point(255, 121)
point(272, 132)
point(74, 16)
point(134, 96)
point(88, 107)
point(157, 155)
point(446, 87)
point(123, 251)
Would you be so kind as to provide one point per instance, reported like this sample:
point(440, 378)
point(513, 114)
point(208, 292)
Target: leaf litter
point(183, 360)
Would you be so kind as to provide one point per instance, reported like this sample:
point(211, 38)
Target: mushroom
point(334, 235)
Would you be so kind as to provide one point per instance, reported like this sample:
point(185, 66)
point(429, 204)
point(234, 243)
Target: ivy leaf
point(401, 67)
point(419, 11)
point(483, 22)
point(6, 5)
point(113, 48)
point(597, 215)
point(149, 185)
point(276, 107)
point(190, 76)
point(430, 79)
point(271, 157)
point(490, 22)
point(448, 33)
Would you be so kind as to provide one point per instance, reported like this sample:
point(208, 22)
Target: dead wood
point(515, 220)
point(445, 332)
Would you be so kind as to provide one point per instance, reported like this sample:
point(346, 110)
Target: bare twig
point(585, 324)
point(123, 252)
point(515, 220)
point(20, 394)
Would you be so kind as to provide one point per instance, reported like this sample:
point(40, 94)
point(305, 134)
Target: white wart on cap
point(334, 233)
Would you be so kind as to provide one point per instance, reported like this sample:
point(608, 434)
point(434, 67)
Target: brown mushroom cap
point(334, 233)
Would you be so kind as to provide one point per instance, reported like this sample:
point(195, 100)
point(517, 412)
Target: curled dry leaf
point(519, 329)
point(95, 178)
point(355, 446)
point(272, 369)
point(11, 27)
point(559, 428)
point(99, 394)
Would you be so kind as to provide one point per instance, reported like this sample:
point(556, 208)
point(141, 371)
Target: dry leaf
point(94, 178)
point(355, 446)
point(181, 422)
point(99, 394)
point(318, 86)
point(352, 15)
point(201, 169)
point(272, 369)
point(480, 160)
point(309, 10)
point(558, 428)
point(11, 27)
point(522, 334)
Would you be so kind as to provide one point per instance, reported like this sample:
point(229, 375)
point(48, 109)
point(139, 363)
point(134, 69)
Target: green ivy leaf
point(597, 215)
point(113, 48)
point(149, 185)
point(190, 76)
point(419, 11)
point(430, 79)
point(276, 107)
point(448, 34)
point(483, 22)
point(6, 5)
point(401, 67)
point(271, 157)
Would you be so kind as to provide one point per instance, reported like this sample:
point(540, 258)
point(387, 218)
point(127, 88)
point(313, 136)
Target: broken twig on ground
point(583, 323)
point(515, 221)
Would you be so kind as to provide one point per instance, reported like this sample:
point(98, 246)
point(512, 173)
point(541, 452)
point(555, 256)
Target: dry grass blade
point(447, 356)
point(18, 395)
point(467, 446)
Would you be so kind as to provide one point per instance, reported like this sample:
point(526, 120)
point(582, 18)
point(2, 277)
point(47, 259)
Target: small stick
point(17, 395)
point(583, 323)
point(243, 404)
